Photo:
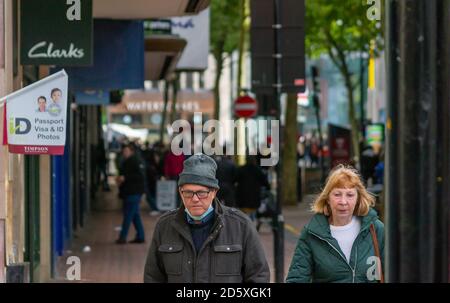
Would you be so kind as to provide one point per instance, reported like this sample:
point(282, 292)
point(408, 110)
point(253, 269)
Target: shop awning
point(145, 9)
point(118, 58)
point(162, 53)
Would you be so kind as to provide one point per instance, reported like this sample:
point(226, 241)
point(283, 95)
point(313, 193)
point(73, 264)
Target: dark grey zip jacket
point(231, 254)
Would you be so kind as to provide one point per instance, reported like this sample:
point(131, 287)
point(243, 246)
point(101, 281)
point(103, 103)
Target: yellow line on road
point(292, 229)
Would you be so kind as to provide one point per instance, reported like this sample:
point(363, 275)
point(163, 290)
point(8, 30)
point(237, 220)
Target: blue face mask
point(199, 218)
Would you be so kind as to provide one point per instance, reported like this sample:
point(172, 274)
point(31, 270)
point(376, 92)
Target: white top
point(346, 235)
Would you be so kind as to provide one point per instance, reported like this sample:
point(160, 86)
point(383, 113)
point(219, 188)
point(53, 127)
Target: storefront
point(143, 109)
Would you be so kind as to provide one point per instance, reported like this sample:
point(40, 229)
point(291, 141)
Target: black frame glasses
point(201, 194)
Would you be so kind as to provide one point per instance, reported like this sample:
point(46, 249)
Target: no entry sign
point(245, 107)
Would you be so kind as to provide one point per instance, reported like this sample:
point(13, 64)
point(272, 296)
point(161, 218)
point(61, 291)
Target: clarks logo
point(42, 50)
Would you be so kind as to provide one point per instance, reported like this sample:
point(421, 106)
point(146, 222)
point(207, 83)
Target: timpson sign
point(35, 117)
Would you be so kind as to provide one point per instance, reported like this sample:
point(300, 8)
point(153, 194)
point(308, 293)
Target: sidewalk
point(295, 217)
point(101, 259)
point(104, 261)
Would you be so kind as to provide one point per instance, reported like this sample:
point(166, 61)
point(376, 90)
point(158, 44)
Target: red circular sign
point(245, 107)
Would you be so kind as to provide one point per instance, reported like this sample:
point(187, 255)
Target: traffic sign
point(245, 107)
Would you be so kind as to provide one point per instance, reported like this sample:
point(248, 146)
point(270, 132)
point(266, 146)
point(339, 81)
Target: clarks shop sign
point(56, 32)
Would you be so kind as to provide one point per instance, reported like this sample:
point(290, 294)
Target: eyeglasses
point(201, 194)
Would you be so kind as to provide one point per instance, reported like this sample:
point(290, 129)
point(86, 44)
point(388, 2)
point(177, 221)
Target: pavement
point(104, 261)
point(295, 218)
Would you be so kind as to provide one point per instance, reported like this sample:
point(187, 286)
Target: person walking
point(132, 187)
point(226, 174)
point(173, 165)
point(251, 180)
point(151, 169)
point(344, 241)
point(203, 240)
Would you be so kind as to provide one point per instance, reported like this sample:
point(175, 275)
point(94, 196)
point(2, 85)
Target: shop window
point(128, 119)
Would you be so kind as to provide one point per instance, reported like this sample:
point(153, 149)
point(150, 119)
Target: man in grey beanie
point(203, 240)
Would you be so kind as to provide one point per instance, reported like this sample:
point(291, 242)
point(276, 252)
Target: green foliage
point(225, 26)
point(333, 25)
point(338, 28)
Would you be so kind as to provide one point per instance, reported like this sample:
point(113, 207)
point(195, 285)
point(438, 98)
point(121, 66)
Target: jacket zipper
point(356, 261)
point(356, 256)
point(210, 238)
point(195, 269)
point(194, 261)
point(343, 257)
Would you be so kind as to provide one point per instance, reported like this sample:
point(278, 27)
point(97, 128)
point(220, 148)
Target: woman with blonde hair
point(344, 241)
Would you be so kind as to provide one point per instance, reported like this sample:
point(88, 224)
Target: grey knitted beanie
point(199, 169)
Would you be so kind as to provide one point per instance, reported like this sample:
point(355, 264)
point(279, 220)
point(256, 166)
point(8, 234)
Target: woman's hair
point(344, 177)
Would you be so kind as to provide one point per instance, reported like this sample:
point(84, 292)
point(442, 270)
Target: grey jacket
point(231, 254)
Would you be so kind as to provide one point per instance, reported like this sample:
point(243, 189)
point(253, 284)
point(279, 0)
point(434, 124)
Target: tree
point(289, 153)
point(244, 24)
point(225, 30)
point(339, 28)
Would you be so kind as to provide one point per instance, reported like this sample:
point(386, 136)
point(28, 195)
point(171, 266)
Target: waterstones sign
point(56, 32)
point(35, 117)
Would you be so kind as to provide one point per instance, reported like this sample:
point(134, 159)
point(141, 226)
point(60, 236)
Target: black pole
point(417, 226)
point(444, 137)
point(175, 86)
point(316, 101)
point(162, 129)
point(278, 220)
point(391, 174)
point(362, 97)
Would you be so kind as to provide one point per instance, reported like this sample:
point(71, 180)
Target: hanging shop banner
point(195, 29)
point(55, 32)
point(118, 58)
point(92, 97)
point(36, 117)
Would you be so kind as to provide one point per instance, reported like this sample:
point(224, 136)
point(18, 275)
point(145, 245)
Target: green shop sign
point(56, 32)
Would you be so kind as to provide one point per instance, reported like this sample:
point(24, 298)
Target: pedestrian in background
point(173, 165)
point(251, 180)
point(369, 160)
point(102, 162)
point(151, 174)
point(204, 240)
point(132, 186)
point(226, 174)
point(344, 241)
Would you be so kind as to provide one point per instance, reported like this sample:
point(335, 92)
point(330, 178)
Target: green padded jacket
point(318, 257)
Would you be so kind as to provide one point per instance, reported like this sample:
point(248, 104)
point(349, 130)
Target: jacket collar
point(370, 218)
point(182, 226)
point(319, 223)
point(217, 205)
point(180, 218)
